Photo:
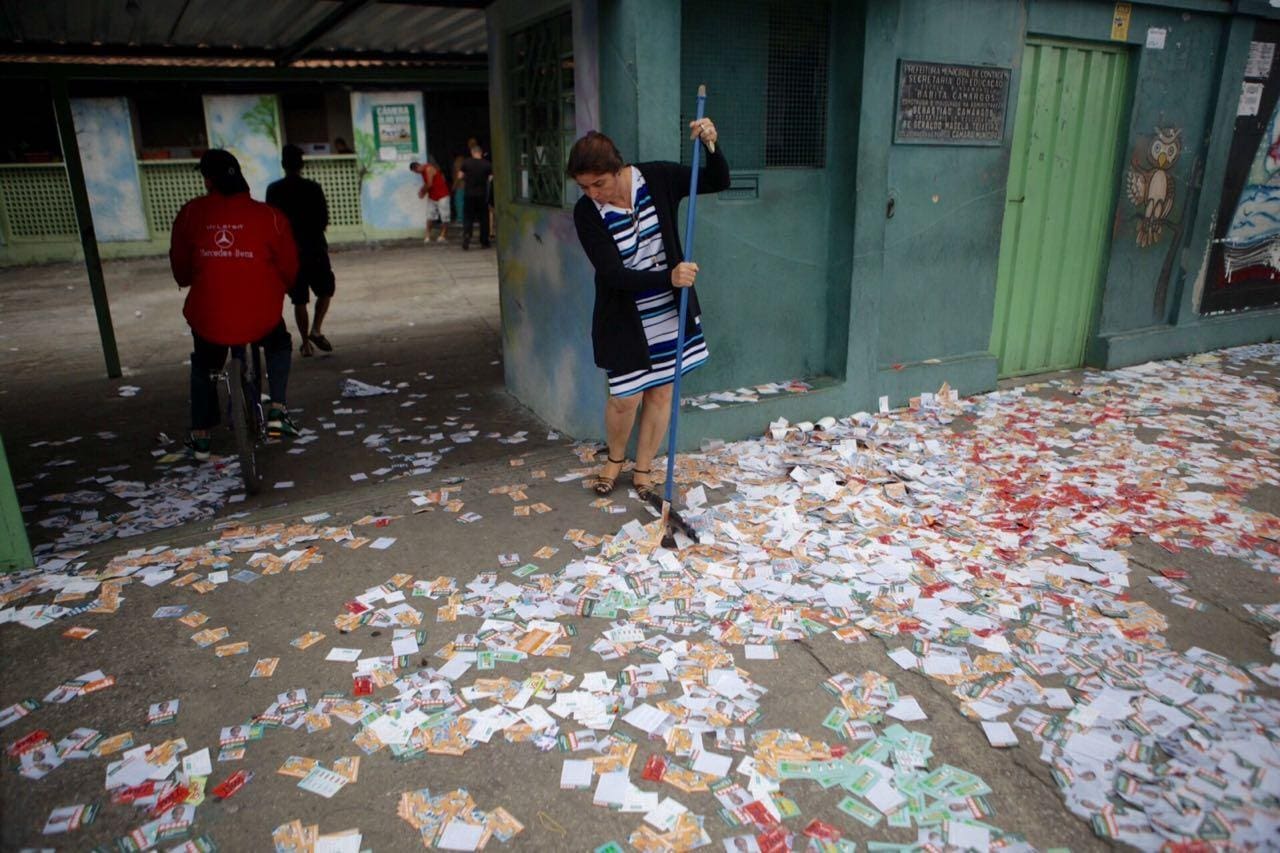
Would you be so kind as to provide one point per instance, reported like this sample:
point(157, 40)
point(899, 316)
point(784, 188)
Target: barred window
point(765, 63)
point(540, 75)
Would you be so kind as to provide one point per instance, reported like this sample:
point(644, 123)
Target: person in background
point(340, 146)
point(436, 192)
point(303, 202)
point(237, 260)
point(475, 173)
point(493, 225)
point(459, 186)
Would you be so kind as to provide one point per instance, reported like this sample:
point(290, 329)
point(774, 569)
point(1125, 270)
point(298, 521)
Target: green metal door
point(1062, 183)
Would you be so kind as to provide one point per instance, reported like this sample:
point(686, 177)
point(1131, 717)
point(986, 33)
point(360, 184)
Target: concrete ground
point(425, 316)
point(402, 312)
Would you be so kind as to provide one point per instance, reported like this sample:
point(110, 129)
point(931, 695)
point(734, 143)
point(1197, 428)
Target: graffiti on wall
point(547, 296)
point(1253, 237)
point(1150, 184)
point(1244, 257)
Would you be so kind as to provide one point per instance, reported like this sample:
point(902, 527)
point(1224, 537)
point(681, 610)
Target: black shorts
point(314, 276)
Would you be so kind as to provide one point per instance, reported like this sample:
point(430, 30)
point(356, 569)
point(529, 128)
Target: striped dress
point(639, 241)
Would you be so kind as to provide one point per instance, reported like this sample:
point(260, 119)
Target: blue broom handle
point(684, 304)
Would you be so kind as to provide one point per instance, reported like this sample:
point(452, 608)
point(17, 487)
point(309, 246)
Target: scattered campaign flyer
point(324, 782)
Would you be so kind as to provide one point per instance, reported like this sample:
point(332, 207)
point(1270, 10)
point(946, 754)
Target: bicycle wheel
point(244, 424)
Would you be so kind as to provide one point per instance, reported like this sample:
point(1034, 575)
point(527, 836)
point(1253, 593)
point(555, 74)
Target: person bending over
point(626, 222)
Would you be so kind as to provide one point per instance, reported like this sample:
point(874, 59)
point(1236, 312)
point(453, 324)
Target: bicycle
point(244, 411)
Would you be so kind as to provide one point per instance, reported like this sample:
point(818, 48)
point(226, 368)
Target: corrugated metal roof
point(382, 27)
point(205, 61)
point(404, 28)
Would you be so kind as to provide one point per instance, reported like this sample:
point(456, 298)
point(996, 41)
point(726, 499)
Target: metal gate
point(1062, 185)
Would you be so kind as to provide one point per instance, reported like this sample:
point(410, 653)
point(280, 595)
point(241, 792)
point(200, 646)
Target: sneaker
point(279, 423)
point(199, 447)
point(440, 239)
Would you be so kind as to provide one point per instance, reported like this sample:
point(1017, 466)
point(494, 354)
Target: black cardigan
point(617, 333)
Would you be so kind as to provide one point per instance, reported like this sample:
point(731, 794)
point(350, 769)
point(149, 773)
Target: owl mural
point(1150, 184)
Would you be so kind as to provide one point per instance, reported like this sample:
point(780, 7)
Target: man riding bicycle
point(239, 260)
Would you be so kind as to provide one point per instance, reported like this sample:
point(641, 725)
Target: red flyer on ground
point(27, 743)
point(231, 784)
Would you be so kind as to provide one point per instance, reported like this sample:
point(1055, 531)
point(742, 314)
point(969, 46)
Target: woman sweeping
point(626, 222)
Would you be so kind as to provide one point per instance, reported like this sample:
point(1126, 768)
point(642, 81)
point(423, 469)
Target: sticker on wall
point(1150, 184)
point(1261, 55)
point(395, 131)
point(1120, 21)
point(1250, 99)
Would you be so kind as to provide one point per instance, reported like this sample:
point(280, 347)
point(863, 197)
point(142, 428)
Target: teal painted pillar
point(846, 50)
point(84, 218)
point(875, 139)
point(640, 77)
point(15, 550)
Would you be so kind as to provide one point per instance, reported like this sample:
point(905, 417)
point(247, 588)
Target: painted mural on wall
point(388, 190)
point(105, 136)
point(547, 298)
point(249, 127)
point(1244, 257)
point(1251, 245)
point(1150, 182)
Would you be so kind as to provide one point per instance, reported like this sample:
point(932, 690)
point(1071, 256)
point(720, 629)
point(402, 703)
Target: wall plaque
point(946, 104)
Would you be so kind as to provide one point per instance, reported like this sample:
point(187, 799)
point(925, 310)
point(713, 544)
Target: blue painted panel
point(104, 133)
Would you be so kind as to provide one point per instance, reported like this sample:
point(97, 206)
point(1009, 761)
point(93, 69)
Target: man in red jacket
point(238, 258)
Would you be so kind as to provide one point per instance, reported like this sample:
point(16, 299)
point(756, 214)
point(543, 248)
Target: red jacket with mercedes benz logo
point(238, 257)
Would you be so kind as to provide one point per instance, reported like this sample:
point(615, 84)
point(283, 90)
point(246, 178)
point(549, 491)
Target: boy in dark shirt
point(304, 205)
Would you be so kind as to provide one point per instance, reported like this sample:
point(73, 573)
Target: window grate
point(796, 121)
point(37, 202)
point(167, 185)
point(540, 71)
point(340, 179)
point(766, 78)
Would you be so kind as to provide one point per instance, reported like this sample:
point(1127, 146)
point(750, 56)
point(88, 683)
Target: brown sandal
point(644, 491)
point(604, 486)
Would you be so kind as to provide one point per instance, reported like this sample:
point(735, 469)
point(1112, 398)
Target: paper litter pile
point(453, 822)
point(114, 501)
point(753, 394)
point(981, 542)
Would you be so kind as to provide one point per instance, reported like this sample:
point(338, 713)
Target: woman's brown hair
point(593, 154)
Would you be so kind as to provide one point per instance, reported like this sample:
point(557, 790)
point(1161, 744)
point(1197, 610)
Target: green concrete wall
point(15, 550)
point(943, 243)
point(768, 282)
point(640, 77)
point(813, 279)
point(764, 286)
